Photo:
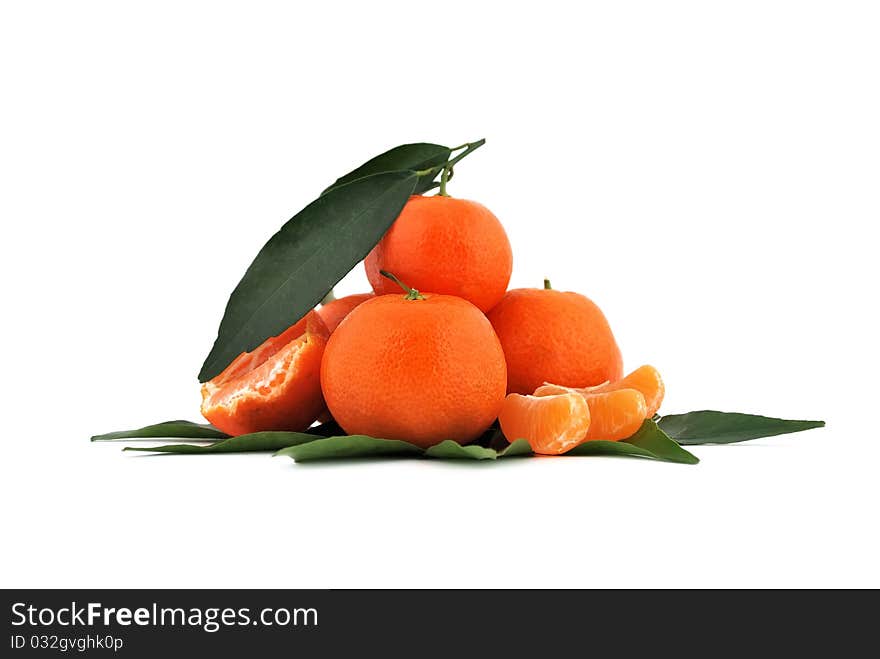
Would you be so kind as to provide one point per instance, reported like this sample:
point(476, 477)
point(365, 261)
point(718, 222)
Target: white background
point(706, 172)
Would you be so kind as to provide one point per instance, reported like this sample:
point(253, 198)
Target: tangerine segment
point(645, 379)
point(277, 386)
point(335, 311)
point(614, 415)
point(551, 424)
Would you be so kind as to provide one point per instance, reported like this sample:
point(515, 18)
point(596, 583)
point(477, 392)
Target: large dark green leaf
point(166, 429)
point(711, 427)
point(349, 446)
point(257, 441)
point(304, 260)
point(648, 442)
point(413, 157)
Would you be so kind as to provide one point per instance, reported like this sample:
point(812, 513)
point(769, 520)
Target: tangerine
point(418, 368)
point(554, 336)
point(334, 311)
point(551, 424)
point(274, 387)
point(444, 245)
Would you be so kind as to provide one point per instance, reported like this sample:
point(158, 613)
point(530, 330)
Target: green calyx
point(411, 293)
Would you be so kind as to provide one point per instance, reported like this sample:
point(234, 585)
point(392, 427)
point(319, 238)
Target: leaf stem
point(411, 293)
point(469, 147)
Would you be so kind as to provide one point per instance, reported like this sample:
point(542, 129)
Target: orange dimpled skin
point(554, 336)
point(645, 379)
point(418, 370)
point(277, 386)
point(551, 424)
point(335, 311)
point(444, 245)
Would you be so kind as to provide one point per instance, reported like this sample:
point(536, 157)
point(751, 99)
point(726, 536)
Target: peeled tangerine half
point(277, 386)
point(551, 424)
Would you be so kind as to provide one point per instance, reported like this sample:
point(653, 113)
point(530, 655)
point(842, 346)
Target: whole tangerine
point(554, 336)
point(413, 367)
point(445, 245)
point(334, 311)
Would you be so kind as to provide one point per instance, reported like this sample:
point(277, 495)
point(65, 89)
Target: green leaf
point(450, 450)
point(413, 157)
point(362, 446)
point(649, 442)
point(349, 446)
point(606, 447)
point(175, 429)
point(651, 437)
point(519, 448)
point(304, 260)
point(256, 441)
point(711, 427)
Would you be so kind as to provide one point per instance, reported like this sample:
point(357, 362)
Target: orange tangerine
point(554, 336)
point(419, 368)
point(335, 311)
point(444, 245)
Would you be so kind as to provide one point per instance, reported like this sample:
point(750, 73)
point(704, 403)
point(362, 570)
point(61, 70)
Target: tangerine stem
point(444, 177)
point(327, 299)
point(547, 286)
point(411, 293)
